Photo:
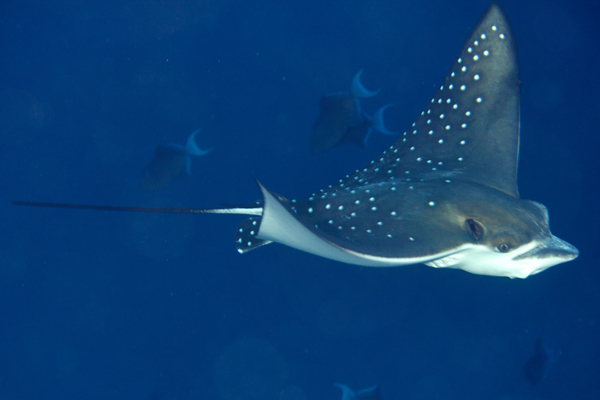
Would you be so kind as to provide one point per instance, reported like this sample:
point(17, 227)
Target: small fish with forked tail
point(341, 119)
point(169, 162)
point(371, 393)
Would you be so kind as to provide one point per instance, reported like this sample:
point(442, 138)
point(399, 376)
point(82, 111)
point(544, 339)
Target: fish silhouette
point(537, 367)
point(169, 162)
point(341, 119)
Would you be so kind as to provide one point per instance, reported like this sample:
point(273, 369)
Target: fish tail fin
point(347, 393)
point(359, 90)
point(192, 149)
point(363, 144)
point(377, 122)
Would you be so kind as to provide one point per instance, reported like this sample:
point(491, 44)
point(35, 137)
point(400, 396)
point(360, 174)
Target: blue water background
point(97, 305)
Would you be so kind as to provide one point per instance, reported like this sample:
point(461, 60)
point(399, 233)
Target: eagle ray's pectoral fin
point(245, 236)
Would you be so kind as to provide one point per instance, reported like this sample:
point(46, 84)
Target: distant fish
point(341, 119)
point(169, 162)
point(371, 393)
point(537, 367)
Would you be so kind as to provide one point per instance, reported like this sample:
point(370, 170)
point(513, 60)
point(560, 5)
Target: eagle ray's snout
point(551, 248)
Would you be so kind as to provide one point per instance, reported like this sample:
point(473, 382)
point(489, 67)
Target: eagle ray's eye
point(503, 248)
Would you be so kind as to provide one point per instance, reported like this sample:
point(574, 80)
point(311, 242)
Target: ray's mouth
point(551, 248)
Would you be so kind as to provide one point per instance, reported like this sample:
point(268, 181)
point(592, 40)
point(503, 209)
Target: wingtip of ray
point(495, 8)
point(259, 184)
point(495, 4)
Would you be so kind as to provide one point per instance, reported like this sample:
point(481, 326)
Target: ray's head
point(512, 238)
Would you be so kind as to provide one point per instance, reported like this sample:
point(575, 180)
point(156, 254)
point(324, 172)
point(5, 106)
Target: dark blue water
point(97, 305)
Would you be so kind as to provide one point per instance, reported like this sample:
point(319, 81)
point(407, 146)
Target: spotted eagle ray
point(444, 194)
point(341, 119)
point(170, 162)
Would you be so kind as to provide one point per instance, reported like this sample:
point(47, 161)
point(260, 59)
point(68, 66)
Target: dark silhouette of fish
point(170, 162)
point(537, 367)
point(341, 119)
point(371, 393)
